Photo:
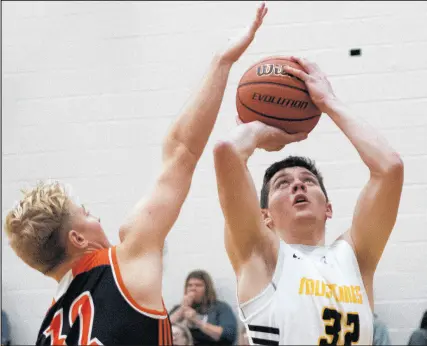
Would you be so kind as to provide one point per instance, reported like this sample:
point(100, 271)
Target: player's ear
point(329, 210)
point(268, 221)
point(77, 239)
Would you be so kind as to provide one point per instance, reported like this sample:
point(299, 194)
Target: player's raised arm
point(153, 217)
point(247, 233)
point(376, 210)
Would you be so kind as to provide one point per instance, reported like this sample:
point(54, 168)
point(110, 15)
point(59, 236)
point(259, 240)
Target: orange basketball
point(269, 94)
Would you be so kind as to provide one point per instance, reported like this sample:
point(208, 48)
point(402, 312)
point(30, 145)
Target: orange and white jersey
point(93, 307)
point(316, 297)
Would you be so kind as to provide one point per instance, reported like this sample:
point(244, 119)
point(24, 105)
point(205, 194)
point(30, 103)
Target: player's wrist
point(249, 135)
point(221, 61)
point(330, 105)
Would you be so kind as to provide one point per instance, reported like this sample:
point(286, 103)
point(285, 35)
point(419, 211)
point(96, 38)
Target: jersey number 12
point(81, 307)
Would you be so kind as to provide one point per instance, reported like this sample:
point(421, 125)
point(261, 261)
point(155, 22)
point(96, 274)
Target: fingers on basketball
point(309, 66)
point(282, 138)
point(297, 73)
point(297, 137)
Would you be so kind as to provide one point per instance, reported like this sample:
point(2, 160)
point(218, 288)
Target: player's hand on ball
point(238, 45)
point(315, 79)
point(273, 139)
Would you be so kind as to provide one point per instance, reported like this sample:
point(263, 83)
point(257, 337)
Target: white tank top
point(316, 297)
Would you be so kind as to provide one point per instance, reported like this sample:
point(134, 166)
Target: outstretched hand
point(238, 45)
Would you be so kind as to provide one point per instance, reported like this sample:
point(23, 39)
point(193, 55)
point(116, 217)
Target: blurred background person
point(419, 335)
point(381, 335)
point(5, 329)
point(181, 335)
point(210, 320)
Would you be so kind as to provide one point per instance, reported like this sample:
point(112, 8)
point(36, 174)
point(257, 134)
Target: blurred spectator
point(5, 329)
point(381, 336)
point(210, 321)
point(181, 335)
point(419, 335)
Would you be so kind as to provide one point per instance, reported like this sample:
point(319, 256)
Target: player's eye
point(283, 183)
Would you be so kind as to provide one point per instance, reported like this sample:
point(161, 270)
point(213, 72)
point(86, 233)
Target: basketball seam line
point(275, 83)
point(273, 117)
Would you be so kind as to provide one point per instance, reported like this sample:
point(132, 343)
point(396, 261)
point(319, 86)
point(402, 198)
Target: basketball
point(269, 94)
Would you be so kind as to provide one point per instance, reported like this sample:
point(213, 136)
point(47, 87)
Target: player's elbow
point(391, 169)
point(395, 166)
point(223, 148)
point(225, 155)
point(174, 150)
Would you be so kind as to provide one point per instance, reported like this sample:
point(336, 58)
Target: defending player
point(113, 294)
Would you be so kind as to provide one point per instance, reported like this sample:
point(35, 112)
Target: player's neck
point(303, 233)
point(67, 265)
point(60, 271)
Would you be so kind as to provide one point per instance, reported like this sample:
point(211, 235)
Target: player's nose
point(298, 186)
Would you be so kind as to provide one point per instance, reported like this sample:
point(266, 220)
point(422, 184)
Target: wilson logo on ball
point(271, 69)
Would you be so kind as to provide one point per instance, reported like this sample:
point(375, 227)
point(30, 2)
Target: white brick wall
point(89, 89)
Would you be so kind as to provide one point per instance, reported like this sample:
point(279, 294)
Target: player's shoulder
point(343, 241)
point(343, 251)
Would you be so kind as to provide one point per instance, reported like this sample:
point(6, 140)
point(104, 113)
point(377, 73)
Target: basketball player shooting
point(113, 294)
point(292, 288)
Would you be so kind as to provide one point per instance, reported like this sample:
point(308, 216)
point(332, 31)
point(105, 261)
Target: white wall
point(89, 89)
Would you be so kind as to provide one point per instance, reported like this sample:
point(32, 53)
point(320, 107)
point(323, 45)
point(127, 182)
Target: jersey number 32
point(334, 326)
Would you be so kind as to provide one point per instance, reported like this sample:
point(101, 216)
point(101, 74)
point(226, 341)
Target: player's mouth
point(300, 199)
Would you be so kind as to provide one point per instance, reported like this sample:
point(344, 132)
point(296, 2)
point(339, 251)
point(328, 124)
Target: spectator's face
point(196, 288)
point(178, 336)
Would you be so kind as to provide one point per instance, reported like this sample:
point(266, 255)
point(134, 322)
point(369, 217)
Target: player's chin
point(304, 212)
point(302, 208)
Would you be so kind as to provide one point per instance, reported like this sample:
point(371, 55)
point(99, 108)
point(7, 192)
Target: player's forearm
point(194, 125)
point(373, 149)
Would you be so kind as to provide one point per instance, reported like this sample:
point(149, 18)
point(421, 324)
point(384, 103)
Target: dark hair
point(290, 161)
point(423, 324)
point(210, 294)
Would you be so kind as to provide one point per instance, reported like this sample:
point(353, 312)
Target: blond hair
point(38, 224)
